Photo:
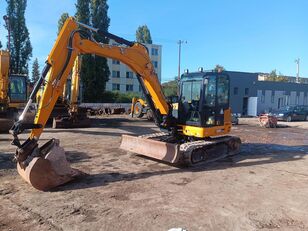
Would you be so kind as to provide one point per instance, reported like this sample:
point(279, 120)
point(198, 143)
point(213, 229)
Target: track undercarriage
point(165, 147)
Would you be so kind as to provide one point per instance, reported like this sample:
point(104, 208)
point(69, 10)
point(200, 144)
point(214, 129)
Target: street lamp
point(180, 42)
point(297, 69)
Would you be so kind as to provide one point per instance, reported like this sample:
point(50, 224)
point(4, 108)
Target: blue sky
point(241, 35)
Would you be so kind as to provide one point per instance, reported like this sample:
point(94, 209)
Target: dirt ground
point(265, 187)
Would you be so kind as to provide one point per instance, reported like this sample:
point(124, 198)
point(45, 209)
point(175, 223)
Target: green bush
point(118, 97)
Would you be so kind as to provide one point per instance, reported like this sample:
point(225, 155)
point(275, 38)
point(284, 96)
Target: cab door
point(189, 103)
point(216, 99)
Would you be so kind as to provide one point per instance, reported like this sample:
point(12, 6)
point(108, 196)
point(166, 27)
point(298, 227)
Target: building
point(123, 79)
point(250, 96)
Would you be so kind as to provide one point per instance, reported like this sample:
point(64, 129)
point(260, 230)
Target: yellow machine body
point(60, 62)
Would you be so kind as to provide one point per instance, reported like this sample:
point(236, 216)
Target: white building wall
point(155, 52)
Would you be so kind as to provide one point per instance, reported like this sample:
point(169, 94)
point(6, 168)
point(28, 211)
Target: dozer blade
point(50, 171)
point(159, 150)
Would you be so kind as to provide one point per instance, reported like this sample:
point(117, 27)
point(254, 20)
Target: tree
point(20, 46)
point(276, 78)
point(83, 11)
point(61, 21)
point(94, 69)
point(0, 45)
point(35, 71)
point(219, 68)
point(272, 76)
point(170, 88)
point(143, 35)
point(86, 71)
point(96, 84)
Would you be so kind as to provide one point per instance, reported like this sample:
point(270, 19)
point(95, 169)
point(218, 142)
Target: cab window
point(18, 88)
point(210, 91)
point(191, 91)
point(222, 90)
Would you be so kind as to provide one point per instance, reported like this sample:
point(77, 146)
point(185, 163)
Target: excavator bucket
point(50, 169)
point(159, 150)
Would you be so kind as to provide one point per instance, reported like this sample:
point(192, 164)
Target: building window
point(114, 61)
point(140, 88)
point(116, 74)
point(129, 87)
point(235, 91)
point(129, 74)
point(155, 64)
point(246, 91)
point(116, 87)
point(287, 100)
point(154, 51)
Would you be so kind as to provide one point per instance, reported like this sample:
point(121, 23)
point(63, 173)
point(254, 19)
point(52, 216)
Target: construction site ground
point(265, 187)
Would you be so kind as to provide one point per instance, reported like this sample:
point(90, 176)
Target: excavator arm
point(75, 82)
point(4, 76)
point(72, 41)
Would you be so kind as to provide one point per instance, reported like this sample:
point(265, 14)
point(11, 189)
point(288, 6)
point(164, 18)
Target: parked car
point(292, 113)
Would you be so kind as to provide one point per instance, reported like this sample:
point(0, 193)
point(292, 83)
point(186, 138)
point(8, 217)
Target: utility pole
point(297, 69)
point(180, 42)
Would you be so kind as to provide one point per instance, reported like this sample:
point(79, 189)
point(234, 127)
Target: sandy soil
point(263, 188)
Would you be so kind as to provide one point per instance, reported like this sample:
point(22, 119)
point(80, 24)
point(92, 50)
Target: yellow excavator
point(77, 116)
point(67, 113)
point(198, 134)
point(139, 108)
point(13, 93)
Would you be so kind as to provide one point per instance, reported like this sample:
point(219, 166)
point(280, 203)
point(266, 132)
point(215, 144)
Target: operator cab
point(18, 89)
point(204, 96)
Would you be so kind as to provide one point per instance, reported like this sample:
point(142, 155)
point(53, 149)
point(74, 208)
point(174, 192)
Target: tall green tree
point(0, 45)
point(143, 35)
point(86, 70)
point(35, 71)
point(94, 70)
point(96, 83)
point(61, 21)
point(21, 49)
point(83, 11)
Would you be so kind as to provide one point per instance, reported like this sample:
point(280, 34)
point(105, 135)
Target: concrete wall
point(241, 80)
point(278, 94)
point(271, 95)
